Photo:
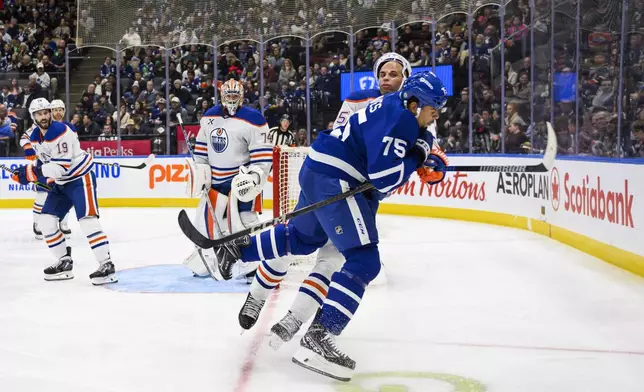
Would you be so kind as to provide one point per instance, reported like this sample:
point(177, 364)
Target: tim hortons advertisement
point(112, 149)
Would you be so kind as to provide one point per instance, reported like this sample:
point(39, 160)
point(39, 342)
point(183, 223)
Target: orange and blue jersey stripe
point(97, 239)
point(201, 149)
point(261, 155)
point(53, 240)
point(223, 174)
point(78, 170)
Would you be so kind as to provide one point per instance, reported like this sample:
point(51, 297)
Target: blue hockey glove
point(26, 174)
point(423, 146)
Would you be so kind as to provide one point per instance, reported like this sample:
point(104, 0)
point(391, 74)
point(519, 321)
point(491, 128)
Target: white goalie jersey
point(228, 142)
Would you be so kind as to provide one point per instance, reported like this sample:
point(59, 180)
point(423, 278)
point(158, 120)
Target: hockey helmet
point(392, 56)
point(427, 88)
point(232, 95)
point(57, 103)
point(37, 105)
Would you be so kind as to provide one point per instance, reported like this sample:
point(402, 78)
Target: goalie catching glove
point(247, 184)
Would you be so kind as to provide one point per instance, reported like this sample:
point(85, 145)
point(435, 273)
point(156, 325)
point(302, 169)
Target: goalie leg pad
point(199, 178)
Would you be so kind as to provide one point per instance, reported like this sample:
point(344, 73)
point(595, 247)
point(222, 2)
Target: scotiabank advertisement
point(600, 200)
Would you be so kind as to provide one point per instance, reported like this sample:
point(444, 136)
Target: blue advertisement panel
point(364, 80)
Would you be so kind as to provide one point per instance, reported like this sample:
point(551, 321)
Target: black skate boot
point(104, 274)
point(249, 313)
point(284, 331)
point(61, 270)
point(250, 276)
point(318, 352)
point(37, 233)
point(228, 254)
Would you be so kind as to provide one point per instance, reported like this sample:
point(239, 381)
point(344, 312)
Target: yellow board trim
point(611, 254)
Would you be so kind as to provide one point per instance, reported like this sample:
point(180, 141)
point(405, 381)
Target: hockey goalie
point(231, 164)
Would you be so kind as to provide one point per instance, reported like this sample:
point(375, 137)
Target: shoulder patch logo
point(219, 140)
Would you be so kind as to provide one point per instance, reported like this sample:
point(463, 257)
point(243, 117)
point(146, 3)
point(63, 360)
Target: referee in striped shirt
point(281, 136)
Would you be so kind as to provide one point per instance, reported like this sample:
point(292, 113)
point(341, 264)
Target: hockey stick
point(193, 234)
point(203, 242)
point(143, 165)
point(44, 186)
point(545, 165)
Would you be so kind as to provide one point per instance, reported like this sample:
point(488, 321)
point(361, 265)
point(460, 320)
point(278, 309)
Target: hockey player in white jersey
point(67, 169)
point(391, 70)
point(31, 154)
point(231, 164)
point(382, 144)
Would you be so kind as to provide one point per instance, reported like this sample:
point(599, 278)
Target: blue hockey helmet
point(427, 88)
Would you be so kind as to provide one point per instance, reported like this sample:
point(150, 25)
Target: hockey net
point(287, 163)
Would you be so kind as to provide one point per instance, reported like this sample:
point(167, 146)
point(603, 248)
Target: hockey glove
point(26, 174)
point(247, 184)
point(433, 171)
point(423, 146)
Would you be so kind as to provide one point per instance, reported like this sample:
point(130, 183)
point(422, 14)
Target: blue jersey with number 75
point(374, 146)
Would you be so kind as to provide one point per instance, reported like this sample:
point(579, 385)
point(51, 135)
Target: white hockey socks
point(269, 274)
point(39, 203)
point(91, 226)
point(54, 238)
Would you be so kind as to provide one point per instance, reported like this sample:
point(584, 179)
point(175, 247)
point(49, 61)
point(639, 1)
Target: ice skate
point(249, 313)
point(104, 274)
point(62, 270)
point(318, 352)
point(284, 331)
point(228, 254)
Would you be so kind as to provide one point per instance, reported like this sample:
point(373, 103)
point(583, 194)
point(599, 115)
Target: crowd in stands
point(533, 94)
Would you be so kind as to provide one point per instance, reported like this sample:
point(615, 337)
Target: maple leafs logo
point(555, 184)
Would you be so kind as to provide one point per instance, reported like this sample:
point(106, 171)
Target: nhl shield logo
point(338, 230)
point(219, 140)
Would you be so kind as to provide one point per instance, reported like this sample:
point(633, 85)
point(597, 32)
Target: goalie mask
point(232, 95)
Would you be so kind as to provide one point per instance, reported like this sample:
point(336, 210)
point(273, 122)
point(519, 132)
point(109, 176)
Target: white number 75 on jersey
point(399, 146)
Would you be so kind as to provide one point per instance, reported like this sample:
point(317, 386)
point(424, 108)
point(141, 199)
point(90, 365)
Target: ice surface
point(508, 310)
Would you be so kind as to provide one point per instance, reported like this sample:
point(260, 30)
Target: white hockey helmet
point(232, 95)
point(57, 103)
point(392, 56)
point(37, 105)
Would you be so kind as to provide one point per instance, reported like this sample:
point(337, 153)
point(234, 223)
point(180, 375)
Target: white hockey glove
point(199, 178)
point(247, 184)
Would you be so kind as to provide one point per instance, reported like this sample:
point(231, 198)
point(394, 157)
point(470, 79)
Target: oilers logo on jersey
point(219, 139)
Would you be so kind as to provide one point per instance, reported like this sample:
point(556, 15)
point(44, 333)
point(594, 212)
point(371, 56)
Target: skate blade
point(210, 268)
point(314, 362)
point(106, 280)
point(275, 342)
point(60, 276)
point(38, 237)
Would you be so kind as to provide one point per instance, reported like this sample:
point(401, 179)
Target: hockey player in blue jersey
point(67, 169)
point(391, 70)
point(384, 144)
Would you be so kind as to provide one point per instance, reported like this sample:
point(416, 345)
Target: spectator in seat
point(105, 104)
point(300, 138)
point(175, 107)
point(204, 105)
point(335, 67)
point(250, 72)
point(76, 120)
point(42, 77)
point(26, 66)
point(269, 73)
point(8, 127)
point(130, 128)
point(58, 58)
point(605, 95)
point(108, 131)
point(31, 91)
point(48, 66)
point(636, 149)
point(287, 73)
point(512, 115)
point(174, 74)
point(522, 89)
point(147, 69)
point(460, 112)
point(515, 137)
point(124, 116)
point(181, 92)
point(158, 114)
point(108, 67)
point(97, 114)
point(89, 129)
point(149, 96)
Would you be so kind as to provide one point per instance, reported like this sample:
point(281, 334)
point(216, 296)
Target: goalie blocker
point(219, 214)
